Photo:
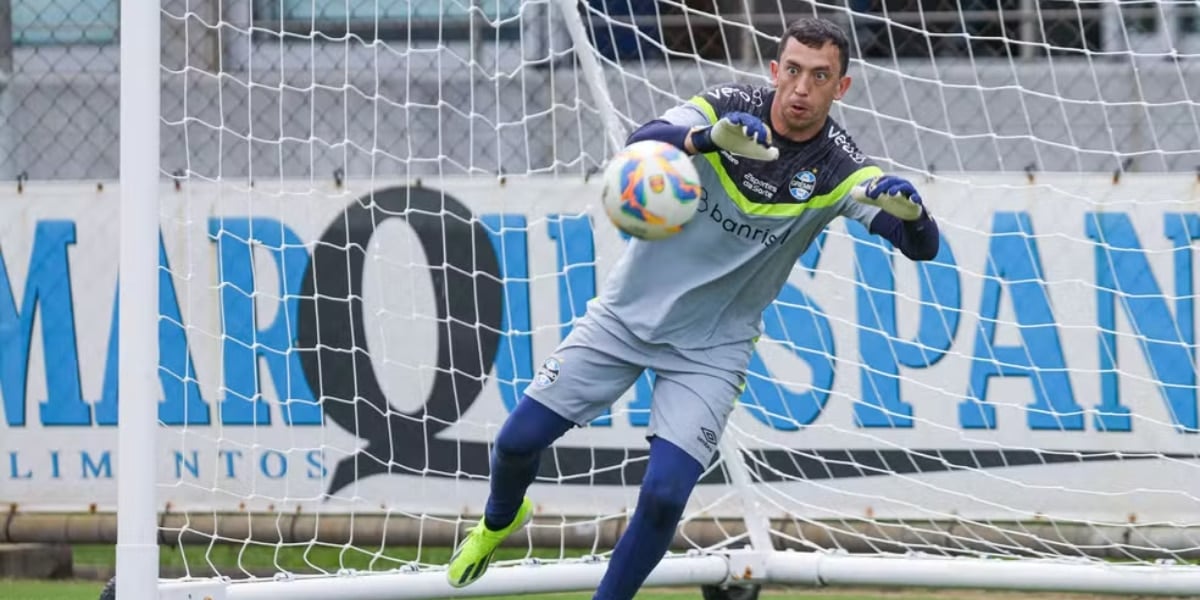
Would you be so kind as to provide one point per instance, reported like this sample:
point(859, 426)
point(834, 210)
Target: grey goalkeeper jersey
point(709, 284)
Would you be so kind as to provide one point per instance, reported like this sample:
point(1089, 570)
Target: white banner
point(325, 351)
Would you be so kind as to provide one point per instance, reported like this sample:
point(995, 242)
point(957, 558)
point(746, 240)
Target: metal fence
point(269, 88)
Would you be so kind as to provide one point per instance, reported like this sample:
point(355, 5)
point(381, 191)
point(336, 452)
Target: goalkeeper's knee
point(668, 483)
point(530, 429)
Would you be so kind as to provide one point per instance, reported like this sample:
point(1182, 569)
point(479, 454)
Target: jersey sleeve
point(849, 207)
point(687, 115)
point(710, 105)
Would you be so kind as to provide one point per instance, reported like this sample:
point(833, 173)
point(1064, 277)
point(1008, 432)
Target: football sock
point(670, 477)
point(529, 430)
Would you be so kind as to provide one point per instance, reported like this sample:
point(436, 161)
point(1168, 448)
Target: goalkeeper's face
point(807, 80)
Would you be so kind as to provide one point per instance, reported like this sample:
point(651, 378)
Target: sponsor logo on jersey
point(728, 222)
point(758, 186)
point(751, 95)
point(802, 185)
point(841, 140)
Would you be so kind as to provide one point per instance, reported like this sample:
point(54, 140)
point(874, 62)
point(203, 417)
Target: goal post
point(349, 232)
point(138, 305)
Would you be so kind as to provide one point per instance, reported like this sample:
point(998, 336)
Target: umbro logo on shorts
point(710, 436)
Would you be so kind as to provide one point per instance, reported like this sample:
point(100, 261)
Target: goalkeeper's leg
point(516, 455)
point(691, 405)
point(529, 430)
point(670, 477)
point(586, 373)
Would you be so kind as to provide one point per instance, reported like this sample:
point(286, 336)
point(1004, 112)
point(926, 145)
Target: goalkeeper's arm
point(664, 131)
point(738, 133)
point(903, 219)
point(917, 239)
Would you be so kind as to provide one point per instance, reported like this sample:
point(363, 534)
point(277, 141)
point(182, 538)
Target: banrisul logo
point(802, 185)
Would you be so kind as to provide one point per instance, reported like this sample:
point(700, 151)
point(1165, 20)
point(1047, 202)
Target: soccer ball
point(651, 189)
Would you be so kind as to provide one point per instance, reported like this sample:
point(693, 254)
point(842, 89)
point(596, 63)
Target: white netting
point(383, 226)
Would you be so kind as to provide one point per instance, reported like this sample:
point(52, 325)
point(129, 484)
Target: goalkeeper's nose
point(802, 85)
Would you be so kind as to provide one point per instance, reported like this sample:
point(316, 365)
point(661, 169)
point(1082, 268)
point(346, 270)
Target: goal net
point(379, 217)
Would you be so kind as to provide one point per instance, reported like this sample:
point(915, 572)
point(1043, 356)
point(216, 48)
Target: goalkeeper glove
point(738, 133)
point(891, 193)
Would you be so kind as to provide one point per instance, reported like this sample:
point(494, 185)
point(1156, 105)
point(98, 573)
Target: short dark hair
point(815, 32)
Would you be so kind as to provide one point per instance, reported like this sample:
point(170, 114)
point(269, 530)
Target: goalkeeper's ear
point(843, 87)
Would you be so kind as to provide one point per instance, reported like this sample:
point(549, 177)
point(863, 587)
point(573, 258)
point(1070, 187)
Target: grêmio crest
point(802, 185)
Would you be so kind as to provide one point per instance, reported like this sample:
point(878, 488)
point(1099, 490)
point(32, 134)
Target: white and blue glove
point(894, 194)
point(738, 133)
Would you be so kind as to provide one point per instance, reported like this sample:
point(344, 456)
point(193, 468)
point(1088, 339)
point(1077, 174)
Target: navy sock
point(529, 430)
point(670, 477)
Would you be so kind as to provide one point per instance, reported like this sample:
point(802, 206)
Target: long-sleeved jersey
point(709, 284)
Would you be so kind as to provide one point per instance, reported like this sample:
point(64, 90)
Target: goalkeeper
point(776, 169)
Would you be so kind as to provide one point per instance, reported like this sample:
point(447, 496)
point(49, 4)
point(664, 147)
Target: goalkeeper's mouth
point(798, 109)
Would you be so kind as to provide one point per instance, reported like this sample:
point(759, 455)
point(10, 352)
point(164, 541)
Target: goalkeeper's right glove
point(737, 133)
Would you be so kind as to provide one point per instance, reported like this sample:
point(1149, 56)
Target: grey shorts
point(694, 390)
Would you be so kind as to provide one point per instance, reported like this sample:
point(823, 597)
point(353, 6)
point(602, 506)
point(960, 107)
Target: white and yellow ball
point(651, 189)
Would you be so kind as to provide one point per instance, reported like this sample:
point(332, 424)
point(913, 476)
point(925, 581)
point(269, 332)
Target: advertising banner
point(356, 347)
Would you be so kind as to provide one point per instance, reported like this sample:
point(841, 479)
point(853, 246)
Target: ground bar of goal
point(520, 579)
point(840, 569)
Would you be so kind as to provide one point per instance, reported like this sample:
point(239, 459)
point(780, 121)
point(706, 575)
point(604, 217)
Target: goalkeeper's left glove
point(893, 194)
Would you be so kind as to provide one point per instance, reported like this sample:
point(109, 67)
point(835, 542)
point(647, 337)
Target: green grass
point(50, 590)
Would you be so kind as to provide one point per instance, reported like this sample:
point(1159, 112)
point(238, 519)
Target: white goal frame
point(137, 525)
point(757, 562)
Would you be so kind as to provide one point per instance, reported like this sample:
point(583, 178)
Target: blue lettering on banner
point(48, 292)
point(881, 349)
point(182, 403)
point(316, 464)
point(576, 254)
point(1123, 277)
point(576, 268)
point(182, 462)
point(803, 327)
point(14, 468)
point(514, 354)
point(273, 464)
point(231, 457)
point(243, 342)
point(100, 468)
point(1168, 343)
point(188, 465)
point(1013, 262)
